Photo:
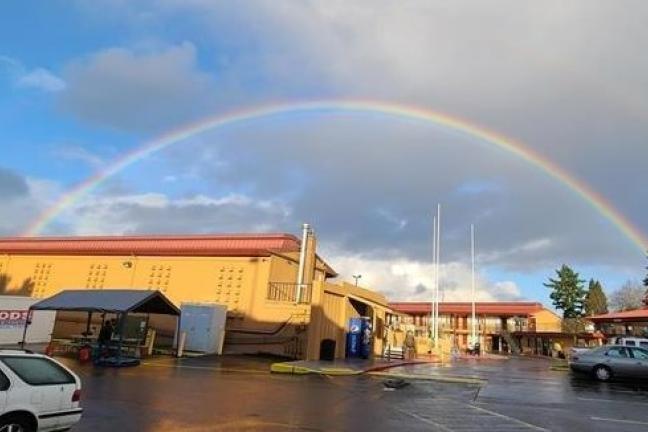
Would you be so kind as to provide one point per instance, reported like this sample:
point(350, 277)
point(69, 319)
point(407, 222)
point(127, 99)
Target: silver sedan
point(612, 361)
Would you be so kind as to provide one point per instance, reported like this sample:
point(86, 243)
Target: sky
point(85, 82)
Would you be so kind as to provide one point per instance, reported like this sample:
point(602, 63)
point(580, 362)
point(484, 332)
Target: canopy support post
point(88, 324)
point(27, 322)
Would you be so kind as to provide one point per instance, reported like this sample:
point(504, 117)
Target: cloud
point(12, 185)
point(138, 89)
point(406, 279)
point(80, 154)
point(159, 213)
point(41, 79)
point(38, 78)
point(23, 199)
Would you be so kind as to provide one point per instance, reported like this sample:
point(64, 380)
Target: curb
point(287, 368)
point(405, 363)
point(441, 378)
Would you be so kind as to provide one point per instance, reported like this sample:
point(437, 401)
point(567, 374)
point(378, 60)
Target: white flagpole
point(438, 270)
point(473, 333)
point(433, 303)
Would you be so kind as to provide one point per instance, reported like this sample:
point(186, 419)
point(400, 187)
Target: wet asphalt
point(238, 394)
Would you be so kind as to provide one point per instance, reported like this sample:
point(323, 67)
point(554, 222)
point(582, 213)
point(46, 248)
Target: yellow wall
point(241, 283)
point(331, 311)
point(547, 321)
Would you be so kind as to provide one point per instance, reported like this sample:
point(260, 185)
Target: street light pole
point(356, 277)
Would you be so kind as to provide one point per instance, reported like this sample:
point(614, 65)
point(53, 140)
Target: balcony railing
point(287, 292)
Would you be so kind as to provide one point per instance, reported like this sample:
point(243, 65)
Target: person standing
point(410, 345)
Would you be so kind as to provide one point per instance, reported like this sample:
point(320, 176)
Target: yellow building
point(256, 276)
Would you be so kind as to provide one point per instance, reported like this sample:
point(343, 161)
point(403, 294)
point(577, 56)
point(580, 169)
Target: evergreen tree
point(567, 292)
point(595, 300)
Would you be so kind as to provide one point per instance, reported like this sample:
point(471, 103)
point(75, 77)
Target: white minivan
point(630, 341)
point(37, 393)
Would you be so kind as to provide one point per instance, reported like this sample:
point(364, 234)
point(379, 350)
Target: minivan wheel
point(602, 373)
point(17, 423)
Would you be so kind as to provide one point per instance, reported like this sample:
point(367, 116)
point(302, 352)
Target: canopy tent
point(109, 301)
point(113, 301)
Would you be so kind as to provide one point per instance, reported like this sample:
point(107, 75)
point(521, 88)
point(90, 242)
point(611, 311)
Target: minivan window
point(630, 343)
point(38, 370)
point(643, 344)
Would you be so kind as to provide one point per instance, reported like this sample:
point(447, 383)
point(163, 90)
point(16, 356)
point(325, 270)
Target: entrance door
point(199, 331)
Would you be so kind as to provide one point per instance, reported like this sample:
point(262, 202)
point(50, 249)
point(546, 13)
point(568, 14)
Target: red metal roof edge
point(504, 307)
point(235, 236)
point(634, 313)
point(522, 302)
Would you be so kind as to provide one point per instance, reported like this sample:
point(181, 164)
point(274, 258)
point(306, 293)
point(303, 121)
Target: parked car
point(630, 341)
point(574, 351)
point(37, 393)
point(610, 361)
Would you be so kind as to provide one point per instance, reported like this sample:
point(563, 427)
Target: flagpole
point(433, 302)
point(473, 333)
point(436, 275)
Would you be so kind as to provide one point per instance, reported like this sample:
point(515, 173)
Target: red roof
point(181, 245)
point(484, 308)
point(625, 316)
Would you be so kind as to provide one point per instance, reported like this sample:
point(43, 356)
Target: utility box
point(14, 312)
point(204, 326)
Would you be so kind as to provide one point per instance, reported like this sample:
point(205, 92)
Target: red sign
point(13, 318)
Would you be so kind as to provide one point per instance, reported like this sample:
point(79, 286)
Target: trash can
point(327, 350)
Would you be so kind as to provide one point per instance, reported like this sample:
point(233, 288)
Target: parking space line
point(611, 400)
point(513, 419)
point(423, 419)
point(633, 422)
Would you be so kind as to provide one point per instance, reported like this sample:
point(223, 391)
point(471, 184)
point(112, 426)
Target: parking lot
point(237, 393)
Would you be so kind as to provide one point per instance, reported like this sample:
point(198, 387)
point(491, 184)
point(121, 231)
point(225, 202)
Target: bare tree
point(629, 296)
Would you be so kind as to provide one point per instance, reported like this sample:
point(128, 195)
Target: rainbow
point(595, 200)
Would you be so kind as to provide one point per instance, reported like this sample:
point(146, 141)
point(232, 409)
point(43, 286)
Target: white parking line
point(634, 422)
point(611, 400)
point(523, 423)
point(423, 419)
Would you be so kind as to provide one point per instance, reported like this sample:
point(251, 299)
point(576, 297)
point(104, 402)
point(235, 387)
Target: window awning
point(109, 301)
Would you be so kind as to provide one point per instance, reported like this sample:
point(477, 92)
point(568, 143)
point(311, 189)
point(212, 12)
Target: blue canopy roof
point(109, 300)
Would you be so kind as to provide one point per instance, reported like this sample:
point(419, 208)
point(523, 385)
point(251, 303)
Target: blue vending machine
point(366, 338)
point(359, 338)
point(354, 337)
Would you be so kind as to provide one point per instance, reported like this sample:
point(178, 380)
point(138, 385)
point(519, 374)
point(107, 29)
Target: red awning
point(465, 308)
point(636, 315)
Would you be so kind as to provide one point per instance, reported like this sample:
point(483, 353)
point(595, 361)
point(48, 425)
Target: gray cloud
point(138, 89)
point(12, 185)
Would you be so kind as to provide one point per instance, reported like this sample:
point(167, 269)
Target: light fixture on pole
point(356, 277)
